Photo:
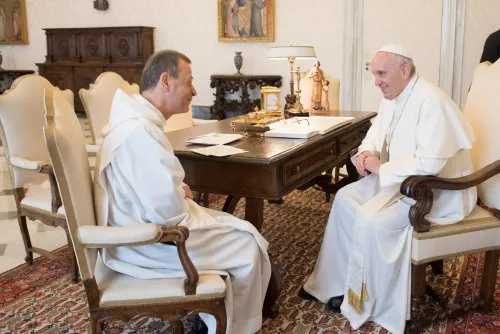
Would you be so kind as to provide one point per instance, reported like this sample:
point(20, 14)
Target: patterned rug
point(41, 298)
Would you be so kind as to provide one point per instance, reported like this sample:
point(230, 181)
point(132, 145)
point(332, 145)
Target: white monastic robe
point(366, 251)
point(139, 180)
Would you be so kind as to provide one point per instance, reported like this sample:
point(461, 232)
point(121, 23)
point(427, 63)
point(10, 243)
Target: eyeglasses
point(291, 122)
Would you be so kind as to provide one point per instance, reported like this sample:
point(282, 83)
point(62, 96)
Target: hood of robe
point(128, 112)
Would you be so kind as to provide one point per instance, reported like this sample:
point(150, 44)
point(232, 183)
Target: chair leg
point(95, 324)
point(23, 226)
point(206, 197)
point(221, 317)
point(417, 288)
point(437, 266)
point(73, 264)
point(177, 326)
point(489, 279)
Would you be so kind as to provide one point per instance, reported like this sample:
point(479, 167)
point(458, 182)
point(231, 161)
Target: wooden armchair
point(111, 294)
point(35, 190)
point(478, 232)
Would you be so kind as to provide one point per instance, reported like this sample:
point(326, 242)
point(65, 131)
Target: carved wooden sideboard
point(8, 76)
point(76, 56)
point(231, 83)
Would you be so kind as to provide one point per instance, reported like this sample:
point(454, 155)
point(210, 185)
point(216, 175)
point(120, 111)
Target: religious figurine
point(319, 85)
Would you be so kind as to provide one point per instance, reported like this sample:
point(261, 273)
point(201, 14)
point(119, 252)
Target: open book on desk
point(305, 127)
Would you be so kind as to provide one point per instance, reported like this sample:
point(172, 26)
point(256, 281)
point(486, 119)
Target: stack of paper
point(218, 150)
point(213, 138)
point(217, 140)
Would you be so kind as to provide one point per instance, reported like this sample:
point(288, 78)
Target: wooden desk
point(272, 167)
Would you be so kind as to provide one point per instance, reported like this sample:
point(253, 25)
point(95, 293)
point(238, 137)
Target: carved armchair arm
point(41, 167)
point(110, 236)
point(419, 187)
point(27, 164)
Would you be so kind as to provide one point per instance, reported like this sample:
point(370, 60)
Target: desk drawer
point(308, 163)
point(351, 140)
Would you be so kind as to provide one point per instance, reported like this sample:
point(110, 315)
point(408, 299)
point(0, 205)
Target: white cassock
point(139, 181)
point(366, 251)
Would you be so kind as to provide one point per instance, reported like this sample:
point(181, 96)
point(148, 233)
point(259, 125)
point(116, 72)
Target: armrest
point(198, 121)
point(419, 187)
point(41, 167)
point(27, 164)
point(54, 190)
point(145, 234)
point(93, 236)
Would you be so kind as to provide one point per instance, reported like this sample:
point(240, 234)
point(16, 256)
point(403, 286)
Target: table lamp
point(291, 53)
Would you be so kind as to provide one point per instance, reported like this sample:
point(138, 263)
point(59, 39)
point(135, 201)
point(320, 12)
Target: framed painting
point(13, 29)
point(246, 20)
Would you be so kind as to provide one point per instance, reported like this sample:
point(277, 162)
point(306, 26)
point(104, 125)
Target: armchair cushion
point(118, 289)
point(479, 231)
point(109, 236)
point(39, 197)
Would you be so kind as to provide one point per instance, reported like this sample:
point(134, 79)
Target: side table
point(8, 76)
point(231, 83)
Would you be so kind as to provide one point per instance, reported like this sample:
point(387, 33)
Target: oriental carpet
point(42, 299)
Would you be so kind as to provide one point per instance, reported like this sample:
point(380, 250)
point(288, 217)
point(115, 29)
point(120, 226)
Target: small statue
point(320, 84)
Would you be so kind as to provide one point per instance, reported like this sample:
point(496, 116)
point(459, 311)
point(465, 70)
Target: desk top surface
point(261, 150)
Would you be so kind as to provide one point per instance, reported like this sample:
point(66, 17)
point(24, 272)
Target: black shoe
point(305, 295)
point(334, 304)
point(199, 326)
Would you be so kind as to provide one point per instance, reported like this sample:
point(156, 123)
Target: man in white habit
point(140, 181)
point(366, 250)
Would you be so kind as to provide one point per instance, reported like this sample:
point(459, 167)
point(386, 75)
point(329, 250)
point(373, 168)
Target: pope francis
point(366, 252)
point(138, 180)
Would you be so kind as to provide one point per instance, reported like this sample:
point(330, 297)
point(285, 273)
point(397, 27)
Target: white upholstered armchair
point(111, 294)
point(35, 190)
point(478, 232)
point(97, 100)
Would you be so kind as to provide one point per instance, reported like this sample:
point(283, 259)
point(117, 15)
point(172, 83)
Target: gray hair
point(401, 60)
point(160, 62)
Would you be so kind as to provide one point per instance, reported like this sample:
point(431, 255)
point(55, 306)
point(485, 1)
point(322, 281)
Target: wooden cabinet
point(76, 56)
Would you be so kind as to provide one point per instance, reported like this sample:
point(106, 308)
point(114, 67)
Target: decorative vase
point(238, 61)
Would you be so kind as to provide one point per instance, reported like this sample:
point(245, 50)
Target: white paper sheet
point(218, 150)
point(214, 138)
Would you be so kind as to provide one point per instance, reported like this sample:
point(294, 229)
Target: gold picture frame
point(238, 20)
point(13, 27)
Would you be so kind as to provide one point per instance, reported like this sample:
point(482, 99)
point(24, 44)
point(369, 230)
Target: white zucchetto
point(396, 49)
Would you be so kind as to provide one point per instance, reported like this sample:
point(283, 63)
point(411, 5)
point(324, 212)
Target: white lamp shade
point(285, 52)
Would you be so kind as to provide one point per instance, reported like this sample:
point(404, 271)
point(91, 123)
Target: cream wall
point(481, 19)
point(191, 27)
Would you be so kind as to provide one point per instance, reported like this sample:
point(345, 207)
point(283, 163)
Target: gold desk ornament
point(270, 98)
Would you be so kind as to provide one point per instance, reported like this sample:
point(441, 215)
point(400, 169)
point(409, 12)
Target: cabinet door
point(92, 47)
point(61, 77)
point(62, 47)
point(124, 46)
point(83, 77)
